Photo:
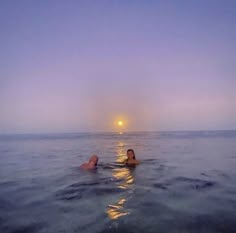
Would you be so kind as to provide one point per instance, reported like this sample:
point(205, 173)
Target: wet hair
point(131, 150)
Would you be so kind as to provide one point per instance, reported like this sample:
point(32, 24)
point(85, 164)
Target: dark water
point(186, 182)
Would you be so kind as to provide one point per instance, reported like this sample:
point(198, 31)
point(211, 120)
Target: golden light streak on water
point(124, 175)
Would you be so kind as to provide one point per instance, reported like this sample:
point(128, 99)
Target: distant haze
point(71, 66)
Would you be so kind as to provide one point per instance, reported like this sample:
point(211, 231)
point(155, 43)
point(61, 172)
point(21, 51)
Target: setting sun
point(120, 123)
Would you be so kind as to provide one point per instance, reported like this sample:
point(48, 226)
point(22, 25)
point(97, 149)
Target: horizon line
point(112, 132)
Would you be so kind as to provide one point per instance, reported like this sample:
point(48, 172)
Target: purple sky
point(71, 66)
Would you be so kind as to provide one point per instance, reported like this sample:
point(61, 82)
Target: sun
point(120, 123)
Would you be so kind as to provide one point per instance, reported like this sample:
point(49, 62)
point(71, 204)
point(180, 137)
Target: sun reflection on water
point(125, 179)
point(124, 175)
point(116, 211)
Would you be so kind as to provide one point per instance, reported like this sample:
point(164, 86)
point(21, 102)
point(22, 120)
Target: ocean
point(185, 183)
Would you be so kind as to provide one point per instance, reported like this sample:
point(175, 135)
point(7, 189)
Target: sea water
point(185, 183)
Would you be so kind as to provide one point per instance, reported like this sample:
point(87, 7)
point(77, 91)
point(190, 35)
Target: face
point(130, 155)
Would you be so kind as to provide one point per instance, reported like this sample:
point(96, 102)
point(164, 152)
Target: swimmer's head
point(93, 160)
point(130, 154)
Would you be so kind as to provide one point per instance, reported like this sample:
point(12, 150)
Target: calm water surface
point(186, 182)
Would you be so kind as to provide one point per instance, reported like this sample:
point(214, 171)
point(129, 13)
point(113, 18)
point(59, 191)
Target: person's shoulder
point(133, 162)
point(84, 166)
point(87, 166)
point(91, 166)
point(136, 162)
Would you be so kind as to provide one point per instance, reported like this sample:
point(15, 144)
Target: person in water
point(92, 163)
point(131, 158)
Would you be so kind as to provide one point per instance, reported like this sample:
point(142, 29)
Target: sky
point(78, 66)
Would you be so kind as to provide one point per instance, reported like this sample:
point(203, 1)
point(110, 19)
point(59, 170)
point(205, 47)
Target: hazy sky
point(70, 66)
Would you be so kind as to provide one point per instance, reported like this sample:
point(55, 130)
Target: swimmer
point(92, 163)
point(131, 158)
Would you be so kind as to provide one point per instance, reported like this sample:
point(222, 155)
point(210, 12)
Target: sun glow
point(120, 123)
